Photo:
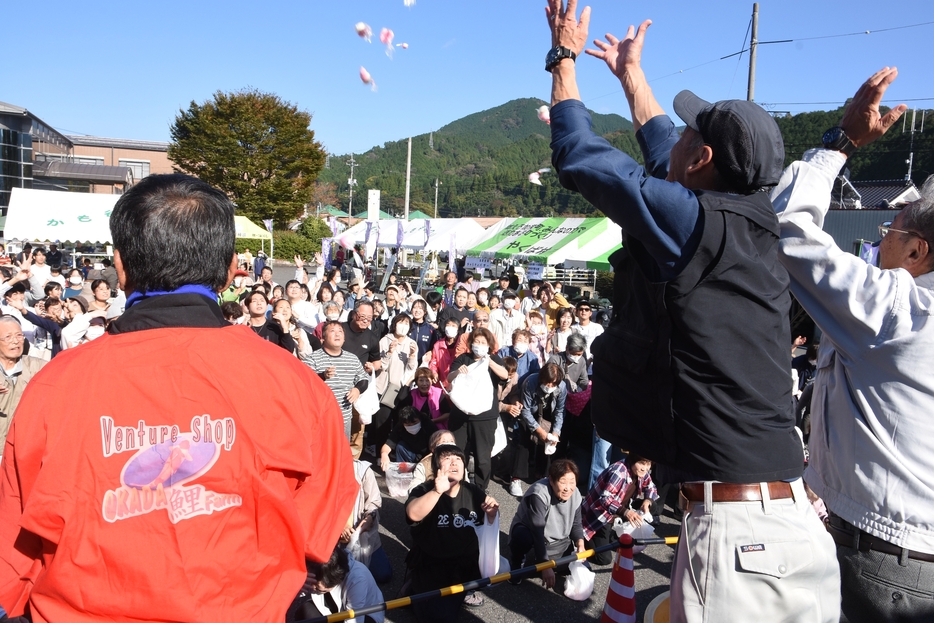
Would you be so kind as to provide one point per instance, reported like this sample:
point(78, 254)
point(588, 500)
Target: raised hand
point(862, 120)
point(566, 30)
point(622, 55)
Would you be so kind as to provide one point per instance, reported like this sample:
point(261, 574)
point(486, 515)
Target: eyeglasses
point(363, 318)
point(886, 227)
point(16, 337)
point(584, 309)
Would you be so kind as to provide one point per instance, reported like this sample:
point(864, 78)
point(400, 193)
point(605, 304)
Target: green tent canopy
point(548, 241)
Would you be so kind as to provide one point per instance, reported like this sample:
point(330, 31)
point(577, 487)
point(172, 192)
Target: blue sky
point(125, 69)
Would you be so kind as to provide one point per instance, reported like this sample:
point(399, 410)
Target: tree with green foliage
point(255, 147)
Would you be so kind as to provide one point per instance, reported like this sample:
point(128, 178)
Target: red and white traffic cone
point(620, 604)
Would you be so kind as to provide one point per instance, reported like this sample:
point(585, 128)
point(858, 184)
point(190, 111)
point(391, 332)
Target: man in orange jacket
point(139, 479)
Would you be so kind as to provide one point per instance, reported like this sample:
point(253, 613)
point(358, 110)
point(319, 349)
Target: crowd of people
point(140, 466)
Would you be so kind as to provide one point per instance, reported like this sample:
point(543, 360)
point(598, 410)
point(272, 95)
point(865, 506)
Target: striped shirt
point(348, 372)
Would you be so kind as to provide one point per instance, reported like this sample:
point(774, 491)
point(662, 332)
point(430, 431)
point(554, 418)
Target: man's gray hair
point(331, 304)
point(577, 343)
point(9, 318)
point(919, 215)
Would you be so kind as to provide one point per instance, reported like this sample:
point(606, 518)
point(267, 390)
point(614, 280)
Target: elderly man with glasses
point(872, 454)
point(18, 370)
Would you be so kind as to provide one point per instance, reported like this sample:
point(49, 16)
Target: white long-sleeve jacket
point(872, 428)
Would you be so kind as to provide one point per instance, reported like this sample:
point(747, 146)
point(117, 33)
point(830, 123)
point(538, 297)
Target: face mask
point(337, 278)
point(537, 329)
point(450, 331)
point(521, 348)
point(413, 429)
point(548, 390)
point(238, 281)
point(813, 362)
point(431, 315)
point(75, 281)
point(402, 329)
point(480, 350)
point(509, 303)
point(94, 332)
point(333, 316)
point(482, 302)
point(574, 358)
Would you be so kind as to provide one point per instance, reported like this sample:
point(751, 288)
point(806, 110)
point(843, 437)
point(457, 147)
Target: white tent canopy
point(57, 215)
point(464, 230)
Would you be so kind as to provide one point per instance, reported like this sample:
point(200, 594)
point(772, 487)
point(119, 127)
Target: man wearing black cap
point(693, 372)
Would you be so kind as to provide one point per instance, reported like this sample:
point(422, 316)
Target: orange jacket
point(144, 479)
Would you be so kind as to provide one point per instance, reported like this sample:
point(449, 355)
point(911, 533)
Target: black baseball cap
point(748, 150)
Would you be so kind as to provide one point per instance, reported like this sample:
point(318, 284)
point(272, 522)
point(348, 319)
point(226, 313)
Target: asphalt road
point(529, 601)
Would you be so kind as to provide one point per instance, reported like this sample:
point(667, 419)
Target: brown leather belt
point(728, 492)
point(844, 534)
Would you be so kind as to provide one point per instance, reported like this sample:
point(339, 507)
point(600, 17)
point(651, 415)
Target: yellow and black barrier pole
point(482, 582)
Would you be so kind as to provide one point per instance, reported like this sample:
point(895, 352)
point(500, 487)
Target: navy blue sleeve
point(663, 216)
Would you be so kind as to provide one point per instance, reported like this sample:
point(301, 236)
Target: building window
point(95, 160)
point(140, 168)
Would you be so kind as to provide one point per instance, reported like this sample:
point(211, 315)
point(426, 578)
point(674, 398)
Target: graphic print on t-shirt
point(164, 461)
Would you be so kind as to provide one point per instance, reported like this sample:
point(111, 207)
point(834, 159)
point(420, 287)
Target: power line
point(915, 99)
point(715, 60)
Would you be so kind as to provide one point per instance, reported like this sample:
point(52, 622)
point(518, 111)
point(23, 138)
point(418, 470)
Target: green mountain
point(482, 163)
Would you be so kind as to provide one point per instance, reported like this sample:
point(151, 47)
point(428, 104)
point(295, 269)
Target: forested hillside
point(483, 161)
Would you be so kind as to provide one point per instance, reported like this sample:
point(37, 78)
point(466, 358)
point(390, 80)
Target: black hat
point(748, 150)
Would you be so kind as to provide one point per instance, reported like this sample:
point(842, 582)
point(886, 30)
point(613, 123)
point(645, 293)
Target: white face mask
point(480, 350)
point(813, 362)
point(431, 315)
point(75, 281)
point(509, 303)
point(94, 332)
point(537, 329)
point(402, 329)
point(337, 278)
point(521, 347)
point(574, 358)
point(450, 331)
point(548, 390)
point(482, 302)
point(333, 316)
point(238, 281)
point(413, 429)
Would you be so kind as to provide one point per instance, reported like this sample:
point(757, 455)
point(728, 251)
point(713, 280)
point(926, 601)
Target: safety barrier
point(625, 544)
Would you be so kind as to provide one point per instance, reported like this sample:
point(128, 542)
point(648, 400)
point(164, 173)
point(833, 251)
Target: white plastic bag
point(398, 481)
point(472, 392)
point(499, 439)
point(368, 402)
point(488, 537)
point(579, 585)
point(645, 531)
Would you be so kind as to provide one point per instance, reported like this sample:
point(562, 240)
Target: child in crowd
point(613, 495)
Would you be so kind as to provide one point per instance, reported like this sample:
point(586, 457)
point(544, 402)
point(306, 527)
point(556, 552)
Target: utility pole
point(408, 178)
point(753, 44)
point(911, 149)
point(436, 197)
point(351, 182)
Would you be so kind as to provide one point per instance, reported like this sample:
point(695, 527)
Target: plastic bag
point(488, 537)
point(368, 402)
point(499, 439)
point(472, 392)
point(579, 585)
point(645, 531)
point(362, 545)
point(398, 478)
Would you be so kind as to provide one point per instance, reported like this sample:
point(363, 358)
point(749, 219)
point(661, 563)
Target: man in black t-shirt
point(445, 550)
point(360, 340)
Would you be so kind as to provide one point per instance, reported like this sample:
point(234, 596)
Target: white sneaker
point(515, 488)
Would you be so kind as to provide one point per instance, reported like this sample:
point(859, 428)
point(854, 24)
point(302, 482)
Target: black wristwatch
point(556, 55)
point(835, 138)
